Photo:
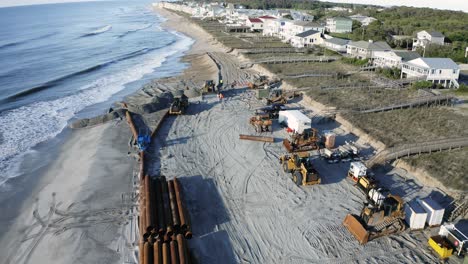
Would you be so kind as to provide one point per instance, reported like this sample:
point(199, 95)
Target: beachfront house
point(255, 24)
point(365, 49)
point(301, 16)
point(393, 58)
point(291, 28)
point(307, 39)
point(364, 20)
point(423, 38)
point(273, 27)
point(339, 25)
point(442, 71)
point(336, 44)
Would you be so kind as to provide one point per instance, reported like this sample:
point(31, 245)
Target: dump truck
point(209, 87)
point(377, 220)
point(441, 246)
point(262, 123)
point(301, 168)
point(308, 140)
point(179, 104)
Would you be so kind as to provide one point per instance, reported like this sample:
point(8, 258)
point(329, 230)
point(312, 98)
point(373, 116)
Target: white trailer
point(295, 120)
point(415, 215)
point(435, 212)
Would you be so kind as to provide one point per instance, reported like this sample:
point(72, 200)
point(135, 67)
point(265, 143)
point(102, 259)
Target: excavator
point(263, 81)
point(301, 168)
point(379, 218)
point(179, 104)
point(308, 140)
point(209, 87)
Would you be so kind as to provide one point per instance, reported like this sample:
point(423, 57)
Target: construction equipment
point(262, 82)
point(357, 170)
point(280, 96)
point(262, 123)
point(144, 139)
point(308, 140)
point(441, 246)
point(179, 104)
point(209, 87)
point(456, 237)
point(301, 169)
point(381, 219)
point(272, 110)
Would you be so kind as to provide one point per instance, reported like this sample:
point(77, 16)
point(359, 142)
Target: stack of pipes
point(164, 222)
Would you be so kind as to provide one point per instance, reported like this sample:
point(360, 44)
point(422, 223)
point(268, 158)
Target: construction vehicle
point(382, 217)
point(262, 123)
point(179, 104)
point(301, 169)
point(441, 246)
point(364, 180)
point(271, 110)
point(456, 237)
point(262, 82)
point(280, 96)
point(308, 140)
point(209, 87)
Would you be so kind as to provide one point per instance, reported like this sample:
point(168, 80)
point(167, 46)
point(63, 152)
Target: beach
point(243, 207)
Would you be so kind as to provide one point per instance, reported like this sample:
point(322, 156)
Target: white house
point(273, 27)
point(307, 39)
point(255, 24)
point(365, 49)
point(291, 28)
point(424, 38)
point(301, 16)
point(442, 71)
point(364, 20)
point(339, 25)
point(393, 58)
point(336, 44)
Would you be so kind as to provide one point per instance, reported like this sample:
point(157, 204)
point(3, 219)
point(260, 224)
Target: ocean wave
point(23, 128)
point(57, 81)
point(135, 30)
point(98, 31)
point(21, 42)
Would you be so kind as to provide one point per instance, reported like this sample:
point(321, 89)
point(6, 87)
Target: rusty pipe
point(149, 204)
point(142, 166)
point(131, 124)
point(183, 216)
point(174, 252)
point(166, 206)
point(182, 249)
point(160, 209)
point(165, 253)
point(157, 252)
point(188, 234)
point(141, 247)
point(174, 208)
point(147, 254)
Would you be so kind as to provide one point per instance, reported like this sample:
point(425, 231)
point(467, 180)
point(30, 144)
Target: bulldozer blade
point(287, 145)
point(355, 227)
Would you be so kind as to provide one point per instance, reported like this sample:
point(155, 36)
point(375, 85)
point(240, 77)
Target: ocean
point(65, 61)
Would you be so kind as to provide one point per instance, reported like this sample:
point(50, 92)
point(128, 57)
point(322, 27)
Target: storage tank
point(329, 139)
point(415, 215)
point(435, 212)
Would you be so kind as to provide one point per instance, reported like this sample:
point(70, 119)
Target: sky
point(5, 3)
point(439, 4)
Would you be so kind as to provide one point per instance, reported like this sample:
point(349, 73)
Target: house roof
point(406, 55)
point(307, 33)
point(255, 20)
point(267, 17)
point(337, 41)
point(435, 63)
point(379, 45)
point(435, 34)
point(341, 19)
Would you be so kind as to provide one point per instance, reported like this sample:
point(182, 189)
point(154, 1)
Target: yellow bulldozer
point(308, 140)
point(301, 169)
point(383, 218)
